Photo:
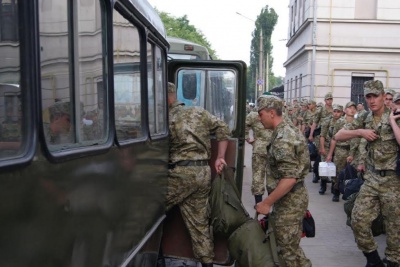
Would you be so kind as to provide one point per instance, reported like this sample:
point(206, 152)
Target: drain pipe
point(314, 49)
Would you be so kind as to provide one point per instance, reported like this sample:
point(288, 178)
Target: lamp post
point(260, 79)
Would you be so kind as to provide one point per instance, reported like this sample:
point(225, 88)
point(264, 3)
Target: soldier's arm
point(394, 122)
point(220, 162)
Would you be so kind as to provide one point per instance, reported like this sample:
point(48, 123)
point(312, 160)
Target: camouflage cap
point(337, 107)
point(320, 105)
point(390, 92)
point(396, 97)
point(60, 108)
point(351, 103)
point(296, 106)
point(171, 88)
point(304, 102)
point(328, 96)
point(373, 87)
point(271, 102)
point(312, 101)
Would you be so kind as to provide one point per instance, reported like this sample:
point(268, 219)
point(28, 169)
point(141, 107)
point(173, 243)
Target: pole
point(267, 74)
point(260, 62)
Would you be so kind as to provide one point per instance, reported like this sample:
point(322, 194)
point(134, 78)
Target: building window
point(8, 20)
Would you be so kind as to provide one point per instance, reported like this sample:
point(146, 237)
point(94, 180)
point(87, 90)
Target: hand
point(369, 134)
point(361, 168)
point(250, 141)
point(219, 165)
point(349, 159)
point(328, 158)
point(311, 138)
point(393, 117)
point(263, 208)
point(322, 151)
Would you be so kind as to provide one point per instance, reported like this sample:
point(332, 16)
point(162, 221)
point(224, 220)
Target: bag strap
point(270, 234)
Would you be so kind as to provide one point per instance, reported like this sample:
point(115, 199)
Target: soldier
point(381, 189)
point(389, 94)
point(361, 112)
point(260, 140)
point(344, 150)
point(288, 161)
point(189, 180)
point(327, 126)
point(301, 115)
point(60, 123)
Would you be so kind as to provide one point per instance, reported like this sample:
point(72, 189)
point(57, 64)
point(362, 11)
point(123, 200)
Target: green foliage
point(181, 28)
point(265, 24)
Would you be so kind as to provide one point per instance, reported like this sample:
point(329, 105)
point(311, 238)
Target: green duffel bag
point(250, 247)
point(227, 211)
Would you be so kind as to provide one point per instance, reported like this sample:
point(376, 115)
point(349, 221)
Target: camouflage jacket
point(352, 144)
point(190, 129)
point(327, 126)
point(261, 136)
point(382, 152)
point(288, 154)
point(309, 117)
point(321, 114)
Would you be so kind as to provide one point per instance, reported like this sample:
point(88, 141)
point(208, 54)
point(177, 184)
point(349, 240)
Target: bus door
point(220, 88)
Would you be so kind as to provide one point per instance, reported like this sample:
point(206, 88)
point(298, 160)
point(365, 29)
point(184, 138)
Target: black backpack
point(349, 172)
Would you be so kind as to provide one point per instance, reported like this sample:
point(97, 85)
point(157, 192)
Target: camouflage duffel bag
point(249, 246)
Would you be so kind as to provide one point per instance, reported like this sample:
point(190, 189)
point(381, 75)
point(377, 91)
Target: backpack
point(378, 225)
point(352, 186)
point(226, 209)
point(349, 172)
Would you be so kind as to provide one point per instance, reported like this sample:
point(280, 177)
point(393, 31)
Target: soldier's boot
point(322, 189)
point(258, 199)
point(207, 265)
point(336, 194)
point(373, 259)
point(315, 178)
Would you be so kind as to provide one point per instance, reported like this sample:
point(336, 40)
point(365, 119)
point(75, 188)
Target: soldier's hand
point(263, 208)
point(322, 151)
point(219, 165)
point(311, 138)
point(361, 168)
point(328, 158)
point(349, 159)
point(369, 134)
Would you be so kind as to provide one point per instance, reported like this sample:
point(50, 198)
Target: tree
point(181, 28)
point(265, 23)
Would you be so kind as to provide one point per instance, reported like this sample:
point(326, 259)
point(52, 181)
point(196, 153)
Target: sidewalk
point(333, 245)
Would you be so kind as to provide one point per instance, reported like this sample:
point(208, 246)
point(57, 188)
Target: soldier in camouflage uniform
point(59, 125)
point(189, 180)
point(361, 112)
point(327, 126)
point(288, 161)
point(260, 140)
point(389, 94)
point(381, 189)
point(344, 150)
point(301, 114)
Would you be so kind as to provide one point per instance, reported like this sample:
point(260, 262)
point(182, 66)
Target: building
point(335, 46)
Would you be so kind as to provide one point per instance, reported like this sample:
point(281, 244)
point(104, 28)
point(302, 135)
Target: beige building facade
point(336, 45)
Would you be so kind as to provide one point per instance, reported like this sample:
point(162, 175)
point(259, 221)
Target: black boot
point(373, 259)
point(315, 178)
point(336, 194)
point(322, 189)
point(207, 265)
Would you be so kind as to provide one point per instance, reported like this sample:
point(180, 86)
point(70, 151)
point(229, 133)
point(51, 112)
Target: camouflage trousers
point(287, 217)
point(259, 167)
point(378, 194)
point(340, 160)
point(189, 188)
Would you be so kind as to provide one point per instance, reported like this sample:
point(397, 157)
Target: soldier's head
point(350, 109)
point(171, 93)
point(360, 107)
point(304, 104)
point(312, 105)
point(389, 94)
point(374, 95)
point(328, 99)
point(60, 117)
point(270, 110)
point(337, 111)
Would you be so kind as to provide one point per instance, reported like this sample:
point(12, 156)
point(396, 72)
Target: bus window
point(127, 94)
point(213, 90)
point(11, 117)
point(72, 68)
point(184, 49)
point(156, 90)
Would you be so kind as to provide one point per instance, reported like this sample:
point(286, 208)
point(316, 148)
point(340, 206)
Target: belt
point(382, 173)
point(297, 186)
point(188, 163)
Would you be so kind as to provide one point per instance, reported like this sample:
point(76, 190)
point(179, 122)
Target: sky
point(228, 33)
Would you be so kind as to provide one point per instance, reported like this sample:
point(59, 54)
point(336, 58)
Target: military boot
point(207, 265)
point(315, 178)
point(373, 259)
point(336, 194)
point(322, 189)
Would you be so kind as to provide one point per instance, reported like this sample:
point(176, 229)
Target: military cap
point(337, 107)
point(304, 102)
point(390, 92)
point(171, 88)
point(396, 97)
point(290, 107)
point(373, 87)
point(328, 96)
point(351, 103)
point(271, 102)
point(312, 102)
point(60, 108)
point(320, 104)
point(296, 106)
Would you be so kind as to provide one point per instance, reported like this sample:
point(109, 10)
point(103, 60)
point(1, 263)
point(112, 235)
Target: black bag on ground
point(313, 151)
point(378, 225)
point(308, 225)
point(349, 172)
point(227, 211)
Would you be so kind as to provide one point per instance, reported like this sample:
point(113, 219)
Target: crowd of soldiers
point(345, 135)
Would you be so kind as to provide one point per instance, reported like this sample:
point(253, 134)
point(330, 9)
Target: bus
point(185, 49)
point(84, 133)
